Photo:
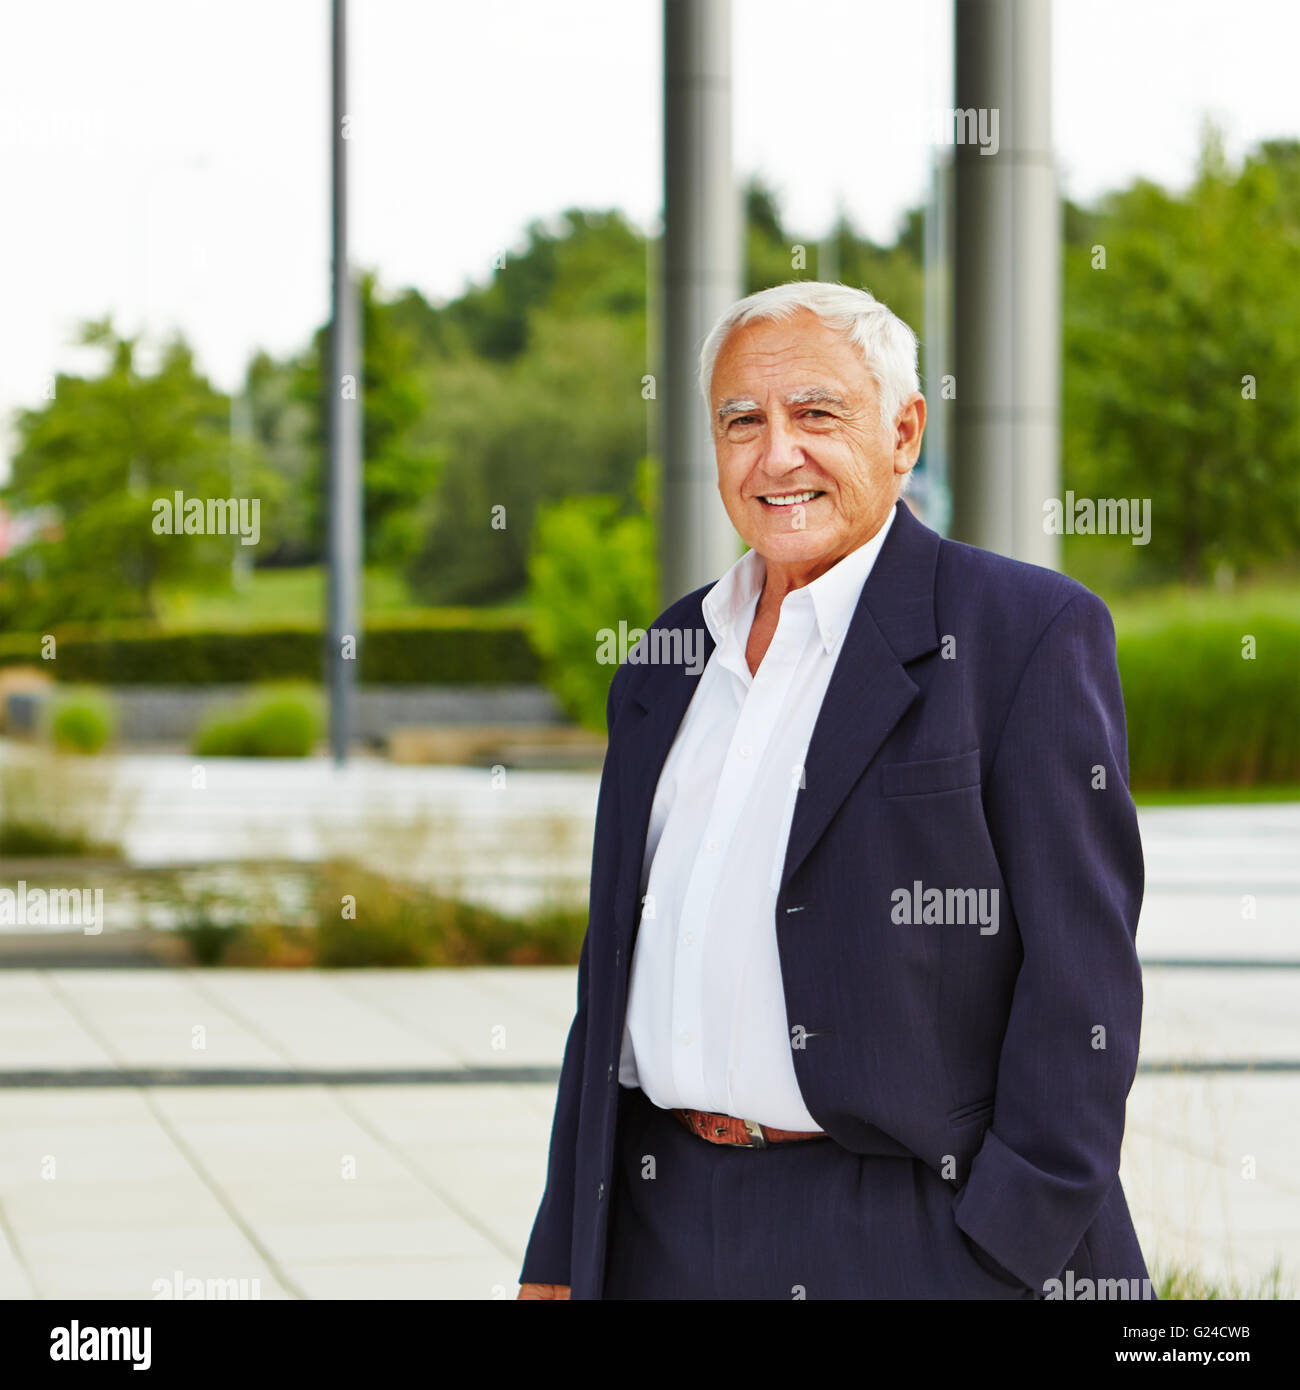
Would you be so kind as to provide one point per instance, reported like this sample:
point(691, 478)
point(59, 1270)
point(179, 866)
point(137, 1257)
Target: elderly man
point(858, 1005)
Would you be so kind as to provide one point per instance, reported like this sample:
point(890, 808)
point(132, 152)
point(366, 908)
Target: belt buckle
point(757, 1139)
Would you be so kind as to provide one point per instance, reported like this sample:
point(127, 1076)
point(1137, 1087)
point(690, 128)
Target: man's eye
point(826, 413)
point(744, 419)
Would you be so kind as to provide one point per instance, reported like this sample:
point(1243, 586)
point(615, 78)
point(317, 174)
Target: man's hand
point(542, 1291)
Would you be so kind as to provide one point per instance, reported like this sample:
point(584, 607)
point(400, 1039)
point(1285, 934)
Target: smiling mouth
point(788, 499)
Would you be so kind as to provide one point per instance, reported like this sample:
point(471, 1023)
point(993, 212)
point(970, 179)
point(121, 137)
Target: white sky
point(167, 160)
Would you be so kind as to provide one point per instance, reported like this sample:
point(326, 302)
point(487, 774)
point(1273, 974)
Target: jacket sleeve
point(547, 1258)
point(1071, 861)
point(546, 1261)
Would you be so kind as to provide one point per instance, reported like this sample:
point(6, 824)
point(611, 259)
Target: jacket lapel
point(869, 690)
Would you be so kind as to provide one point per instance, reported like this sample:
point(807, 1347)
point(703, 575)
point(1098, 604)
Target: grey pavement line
point(1213, 963)
point(1168, 1066)
point(161, 1077)
point(264, 1076)
point(1277, 888)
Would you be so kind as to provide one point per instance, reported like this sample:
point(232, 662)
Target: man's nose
point(781, 449)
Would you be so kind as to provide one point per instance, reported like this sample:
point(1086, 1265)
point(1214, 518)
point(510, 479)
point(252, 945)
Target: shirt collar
point(834, 594)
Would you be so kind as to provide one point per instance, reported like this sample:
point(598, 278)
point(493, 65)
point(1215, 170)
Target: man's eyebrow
point(817, 395)
point(735, 405)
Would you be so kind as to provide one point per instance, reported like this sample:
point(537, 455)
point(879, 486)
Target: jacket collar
point(833, 596)
point(897, 600)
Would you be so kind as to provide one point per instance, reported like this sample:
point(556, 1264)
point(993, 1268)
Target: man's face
point(795, 412)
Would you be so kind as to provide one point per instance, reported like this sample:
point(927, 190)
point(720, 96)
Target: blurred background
point(302, 579)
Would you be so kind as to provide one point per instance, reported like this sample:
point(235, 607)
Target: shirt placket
point(761, 701)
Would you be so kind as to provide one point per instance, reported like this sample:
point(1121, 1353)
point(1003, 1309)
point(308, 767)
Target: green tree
point(592, 568)
point(400, 466)
point(99, 454)
point(565, 418)
point(1182, 358)
point(895, 275)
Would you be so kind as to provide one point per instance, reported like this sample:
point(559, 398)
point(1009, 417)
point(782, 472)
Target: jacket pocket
point(933, 775)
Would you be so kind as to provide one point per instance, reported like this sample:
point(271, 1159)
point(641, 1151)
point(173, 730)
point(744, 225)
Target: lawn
point(1148, 609)
point(291, 596)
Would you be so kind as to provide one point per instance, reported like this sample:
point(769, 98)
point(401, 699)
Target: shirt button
point(689, 938)
point(745, 750)
point(684, 1039)
point(712, 847)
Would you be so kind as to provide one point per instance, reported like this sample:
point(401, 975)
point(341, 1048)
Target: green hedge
point(451, 648)
point(284, 722)
point(1199, 714)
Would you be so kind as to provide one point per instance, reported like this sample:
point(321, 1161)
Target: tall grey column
point(937, 347)
point(701, 277)
point(1007, 282)
point(343, 636)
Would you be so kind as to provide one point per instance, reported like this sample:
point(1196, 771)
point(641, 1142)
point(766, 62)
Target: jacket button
point(600, 1192)
point(611, 1071)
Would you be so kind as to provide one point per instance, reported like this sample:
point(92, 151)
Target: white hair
point(887, 345)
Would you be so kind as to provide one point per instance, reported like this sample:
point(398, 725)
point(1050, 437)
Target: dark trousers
point(808, 1219)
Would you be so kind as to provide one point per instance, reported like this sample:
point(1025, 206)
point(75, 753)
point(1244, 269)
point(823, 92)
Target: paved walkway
point(382, 1134)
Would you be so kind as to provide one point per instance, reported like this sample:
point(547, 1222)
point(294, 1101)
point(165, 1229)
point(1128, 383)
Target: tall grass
point(57, 806)
point(1203, 710)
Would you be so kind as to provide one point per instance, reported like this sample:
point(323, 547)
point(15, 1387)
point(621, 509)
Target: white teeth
point(793, 499)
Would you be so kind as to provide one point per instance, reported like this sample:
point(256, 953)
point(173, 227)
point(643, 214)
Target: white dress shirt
point(706, 1026)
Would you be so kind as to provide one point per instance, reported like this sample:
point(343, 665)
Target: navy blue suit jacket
point(972, 736)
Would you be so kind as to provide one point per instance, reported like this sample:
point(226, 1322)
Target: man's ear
point(909, 430)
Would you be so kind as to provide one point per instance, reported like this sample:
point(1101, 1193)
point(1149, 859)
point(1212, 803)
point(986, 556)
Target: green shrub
point(283, 723)
point(208, 941)
point(82, 722)
point(51, 808)
point(591, 568)
point(284, 726)
point(38, 840)
point(398, 924)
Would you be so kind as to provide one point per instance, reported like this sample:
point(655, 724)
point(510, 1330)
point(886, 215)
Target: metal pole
point(241, 438)
point(1007, 290)
point(701, 277)
point(937, 359)
point(345, 425)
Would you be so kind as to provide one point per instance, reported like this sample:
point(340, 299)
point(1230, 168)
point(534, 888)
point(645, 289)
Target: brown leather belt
point(744, 1134)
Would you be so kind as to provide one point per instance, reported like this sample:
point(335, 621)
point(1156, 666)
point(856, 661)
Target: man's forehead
point(789, 357)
